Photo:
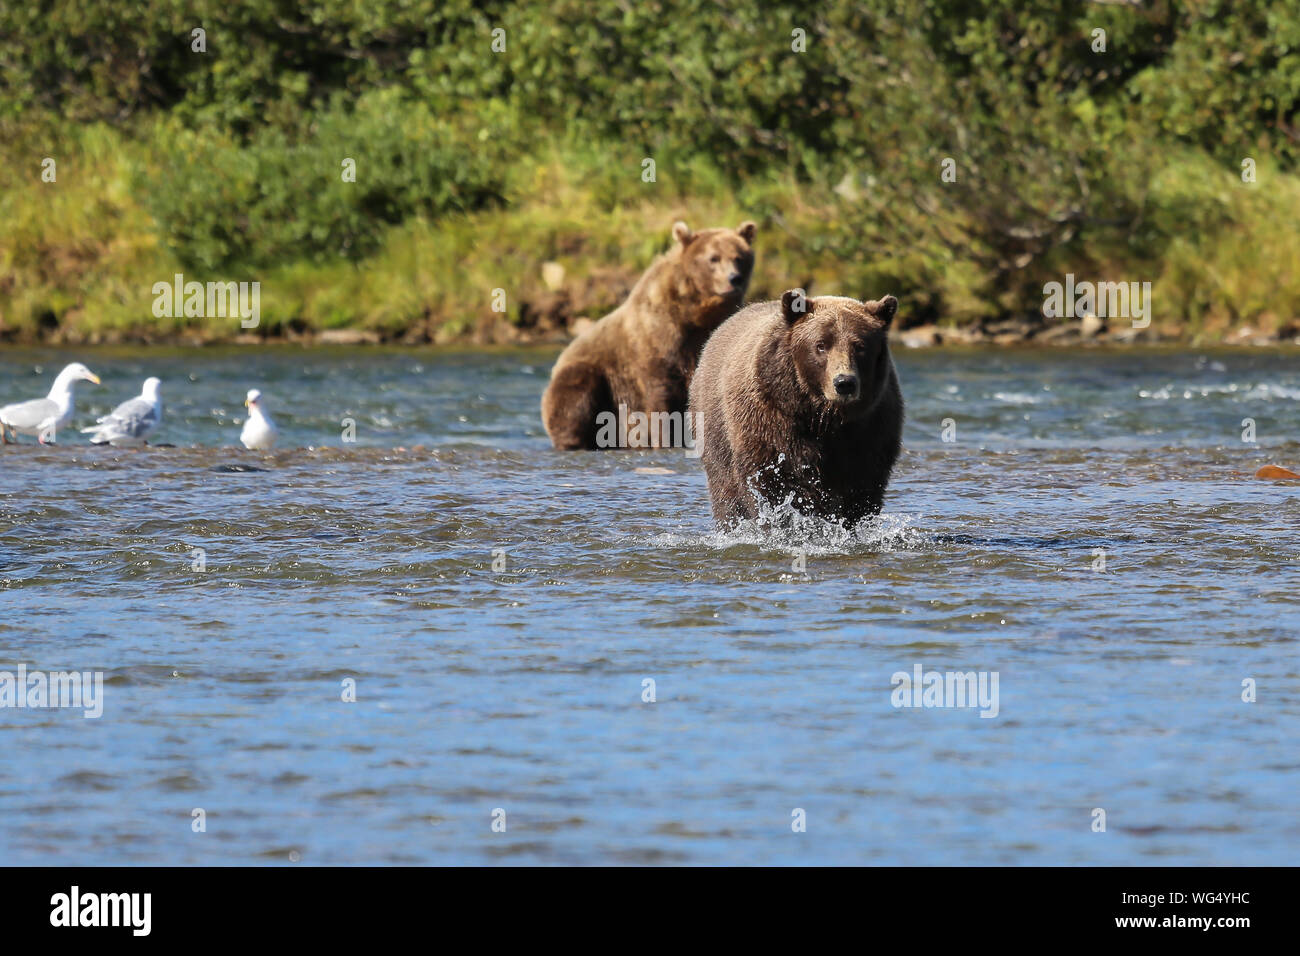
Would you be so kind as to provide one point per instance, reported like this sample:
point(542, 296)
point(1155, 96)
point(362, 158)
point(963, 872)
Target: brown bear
point(642, 355)
point(798, 400)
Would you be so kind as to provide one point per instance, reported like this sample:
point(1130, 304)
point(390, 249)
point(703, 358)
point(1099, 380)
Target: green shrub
point(220, 203)
point(1067, 157)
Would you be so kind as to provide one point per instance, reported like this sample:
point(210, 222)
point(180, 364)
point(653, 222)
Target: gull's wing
point(31, 415)
point(131, 419)
point(134, 417)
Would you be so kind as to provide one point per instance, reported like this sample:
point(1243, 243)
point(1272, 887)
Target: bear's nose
point(735, 278)
point(846, 384)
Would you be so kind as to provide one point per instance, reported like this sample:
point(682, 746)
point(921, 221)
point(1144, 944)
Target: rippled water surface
point(501, 608)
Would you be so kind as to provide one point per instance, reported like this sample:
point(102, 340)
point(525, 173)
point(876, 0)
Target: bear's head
point(716, 263)
point(840, 349)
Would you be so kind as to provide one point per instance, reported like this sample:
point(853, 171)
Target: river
point(554, 659)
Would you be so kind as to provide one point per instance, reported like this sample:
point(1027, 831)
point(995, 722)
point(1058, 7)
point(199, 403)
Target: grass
point(79, 257)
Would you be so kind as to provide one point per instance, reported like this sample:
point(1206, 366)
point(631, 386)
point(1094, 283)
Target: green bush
point(1062, 151)
point(220, 203)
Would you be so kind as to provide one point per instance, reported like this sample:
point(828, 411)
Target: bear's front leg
point(572, 405)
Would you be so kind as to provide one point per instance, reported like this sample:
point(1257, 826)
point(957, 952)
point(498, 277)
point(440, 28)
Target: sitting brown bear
point(642, 355)
point(799, 400)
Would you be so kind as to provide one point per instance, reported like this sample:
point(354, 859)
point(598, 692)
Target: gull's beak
point(246, 405)
point(92, 377)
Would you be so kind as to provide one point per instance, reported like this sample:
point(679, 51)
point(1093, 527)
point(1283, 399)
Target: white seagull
point(259, 431)
point(131, 421)
point(43, 417)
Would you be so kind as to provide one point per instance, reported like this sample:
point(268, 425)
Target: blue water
point(520, 687)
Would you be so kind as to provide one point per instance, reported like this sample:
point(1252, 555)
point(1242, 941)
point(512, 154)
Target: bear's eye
point(821, 348)
point(716, 259)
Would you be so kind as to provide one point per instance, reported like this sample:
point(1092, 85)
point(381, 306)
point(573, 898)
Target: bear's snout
point(846, 386)
point(737, 277)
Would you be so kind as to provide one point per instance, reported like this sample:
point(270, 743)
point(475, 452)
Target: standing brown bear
point(799, 400)
point(642, 354)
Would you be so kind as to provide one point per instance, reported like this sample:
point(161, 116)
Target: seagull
point(259, 431)
point(131, 421)
point(43, 417)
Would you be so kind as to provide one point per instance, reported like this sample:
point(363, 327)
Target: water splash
point(783, 527)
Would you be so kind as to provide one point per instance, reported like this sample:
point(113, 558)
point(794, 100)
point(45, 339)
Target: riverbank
point(80, 256)
point(386, 176)
point(553, 322)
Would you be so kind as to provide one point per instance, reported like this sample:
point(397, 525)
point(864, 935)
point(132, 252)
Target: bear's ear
point(747, 231)
point(883, 309)
point(794, 305)
point(682, 232)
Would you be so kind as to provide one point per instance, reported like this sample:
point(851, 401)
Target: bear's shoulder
point(756, 321)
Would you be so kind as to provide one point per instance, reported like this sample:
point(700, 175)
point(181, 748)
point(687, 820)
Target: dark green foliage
point(1054, 143)
point(219, 202)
